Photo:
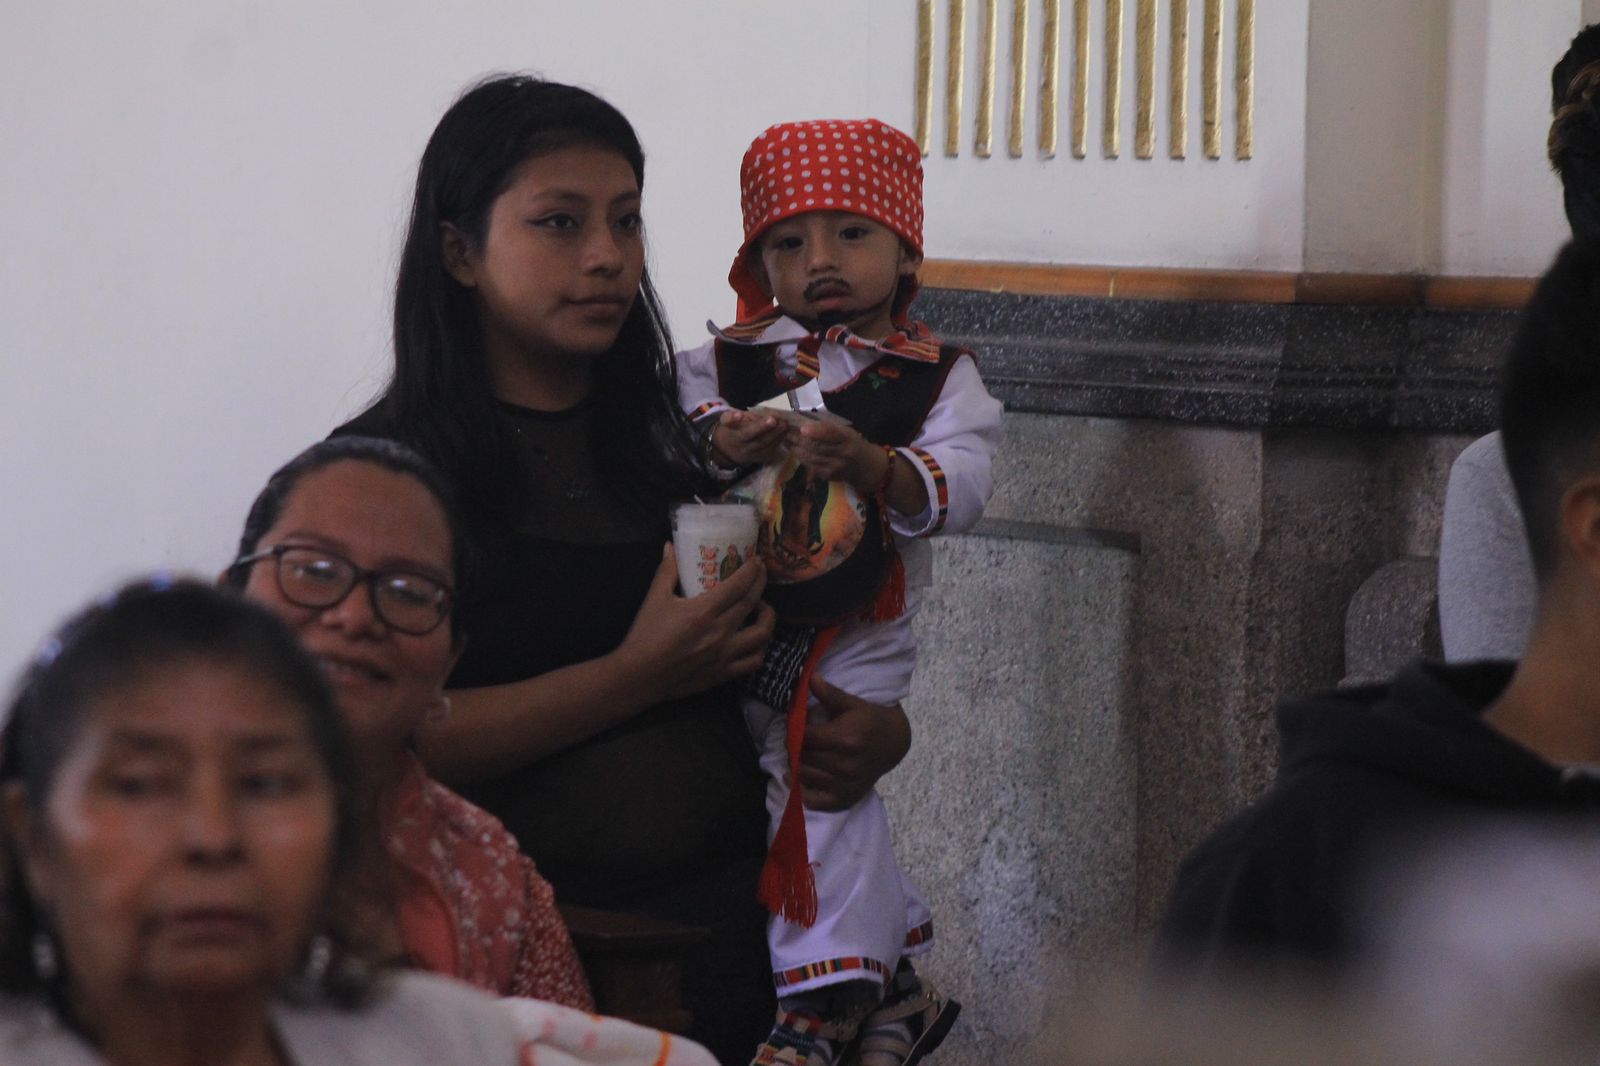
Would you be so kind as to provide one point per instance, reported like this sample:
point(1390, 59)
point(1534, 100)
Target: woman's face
point(187, 839)
point(561, 258)
point(385, 681)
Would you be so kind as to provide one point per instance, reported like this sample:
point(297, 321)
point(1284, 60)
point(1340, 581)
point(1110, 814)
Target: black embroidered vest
point(886, 403)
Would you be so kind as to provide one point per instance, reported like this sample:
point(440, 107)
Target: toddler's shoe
point(911, 1022)
point(805, 1038)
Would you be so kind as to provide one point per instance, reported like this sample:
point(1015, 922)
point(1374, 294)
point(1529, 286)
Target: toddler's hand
point(749, 437)
point(836, 452)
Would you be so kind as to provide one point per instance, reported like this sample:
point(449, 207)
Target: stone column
point(1016, 810)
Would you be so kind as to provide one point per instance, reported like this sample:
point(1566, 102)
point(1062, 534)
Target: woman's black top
point(663, 814)
point(557, 581)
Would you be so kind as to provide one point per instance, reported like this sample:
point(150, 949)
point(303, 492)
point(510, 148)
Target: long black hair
point(441, 396)
point(1574, 143)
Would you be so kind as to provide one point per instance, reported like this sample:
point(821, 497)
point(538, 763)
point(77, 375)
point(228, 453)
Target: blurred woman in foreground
point(181, 829)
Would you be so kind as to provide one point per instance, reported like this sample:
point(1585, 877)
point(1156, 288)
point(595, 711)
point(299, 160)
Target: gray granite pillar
point(1015, 811)
point(1251, 546)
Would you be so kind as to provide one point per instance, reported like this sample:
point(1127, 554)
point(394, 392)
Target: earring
point(441, 709)
point(319, 954)
point(45, 962)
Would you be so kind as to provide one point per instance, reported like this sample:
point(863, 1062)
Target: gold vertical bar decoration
point(1019, 75)
point(925, 75)
point(1244, 81)
point(1211, 81)
point(1178, 82)
point(1080, 79)
point(983, 136)
point(954, 59)
point(1111, 126)
point(1144, 125)
point(1049, 76)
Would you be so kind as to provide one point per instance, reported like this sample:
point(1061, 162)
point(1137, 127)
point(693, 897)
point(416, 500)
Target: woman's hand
point(675, 647)
point(679, 646)
point(844, 757)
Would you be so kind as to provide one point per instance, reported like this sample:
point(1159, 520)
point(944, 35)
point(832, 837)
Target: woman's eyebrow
point(137, 741)
point(314, 540)
point(403, 563)
point(131, 741)
point(567, 195)
point(574, 196)
point(267, 743)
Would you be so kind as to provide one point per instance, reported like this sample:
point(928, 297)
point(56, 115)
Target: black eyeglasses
point(318, 578)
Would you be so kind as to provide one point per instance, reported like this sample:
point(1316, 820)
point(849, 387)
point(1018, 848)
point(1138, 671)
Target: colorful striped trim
point(785, 978)
point(750, 329)
point(941, 489)
point(791, 1041)
point(806, 363)
point(916, 342)
point(919, 936)
point(705, 409)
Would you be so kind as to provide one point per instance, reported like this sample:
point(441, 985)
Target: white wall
point(205, 202)
point(1373, 161)
point(1501, 205)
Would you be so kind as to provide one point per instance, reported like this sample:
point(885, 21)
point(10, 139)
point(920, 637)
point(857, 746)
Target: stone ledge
point(1252, 366)
point(1044, 533)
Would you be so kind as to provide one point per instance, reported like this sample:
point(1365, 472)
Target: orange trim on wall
point(1479, 292)
point(1228, 286)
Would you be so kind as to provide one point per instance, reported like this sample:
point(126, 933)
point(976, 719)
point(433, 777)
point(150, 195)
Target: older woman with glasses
point(353, 545)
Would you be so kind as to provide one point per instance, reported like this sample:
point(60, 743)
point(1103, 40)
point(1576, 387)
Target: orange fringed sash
point(788, 887)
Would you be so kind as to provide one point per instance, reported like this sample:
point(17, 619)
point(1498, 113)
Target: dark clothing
point(663, 813)
point(1366, 776)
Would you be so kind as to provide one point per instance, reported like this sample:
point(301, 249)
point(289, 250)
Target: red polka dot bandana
point(857, 165)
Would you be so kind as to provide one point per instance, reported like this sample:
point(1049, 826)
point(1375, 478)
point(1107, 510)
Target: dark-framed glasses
point(317, 578)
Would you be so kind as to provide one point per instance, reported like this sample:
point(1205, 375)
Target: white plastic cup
point(712, 540)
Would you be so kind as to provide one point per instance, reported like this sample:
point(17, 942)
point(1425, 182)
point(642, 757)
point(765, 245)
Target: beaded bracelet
point(888, 471)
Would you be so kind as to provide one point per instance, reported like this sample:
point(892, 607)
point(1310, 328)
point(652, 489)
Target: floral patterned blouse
point(471, 905)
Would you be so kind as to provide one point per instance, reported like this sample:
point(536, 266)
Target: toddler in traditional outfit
point(867, 435)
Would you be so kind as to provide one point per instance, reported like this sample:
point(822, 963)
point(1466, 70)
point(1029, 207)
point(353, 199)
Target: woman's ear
point(457, 252)
point(20, 826)
point(1580, 523)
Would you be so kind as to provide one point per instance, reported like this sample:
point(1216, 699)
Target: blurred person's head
point(1574, 142)
point(177, 824)
point(1550, 414)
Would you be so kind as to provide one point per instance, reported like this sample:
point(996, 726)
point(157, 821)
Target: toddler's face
point(830, 267)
